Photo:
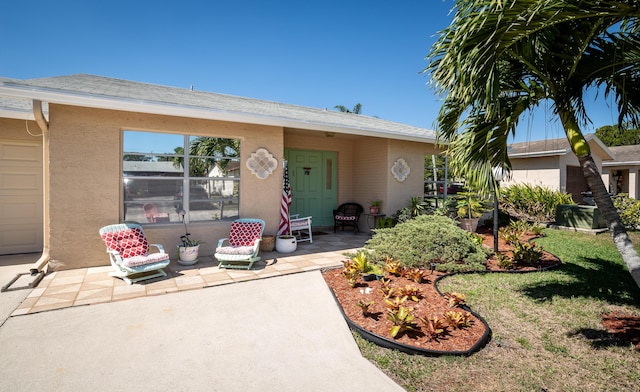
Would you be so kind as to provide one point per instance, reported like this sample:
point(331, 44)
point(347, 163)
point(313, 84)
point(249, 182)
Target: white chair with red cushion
point(128, 251)
point(243, 244)
point(301, 228)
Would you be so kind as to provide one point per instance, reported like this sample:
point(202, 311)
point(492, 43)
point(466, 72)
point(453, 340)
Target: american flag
point(284, 205)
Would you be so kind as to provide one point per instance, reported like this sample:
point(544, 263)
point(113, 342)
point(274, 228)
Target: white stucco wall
point(542, 171)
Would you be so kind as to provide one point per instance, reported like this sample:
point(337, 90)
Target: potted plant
point(286, 243)
point(469, 210)
point(188, 249)
point(374, 206)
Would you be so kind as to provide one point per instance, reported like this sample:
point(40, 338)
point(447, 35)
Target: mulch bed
point(624, 328)
point(432, 304)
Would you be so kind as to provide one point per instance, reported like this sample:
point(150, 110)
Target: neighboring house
point(622, 173)
point(66, 145)
point(551, 163)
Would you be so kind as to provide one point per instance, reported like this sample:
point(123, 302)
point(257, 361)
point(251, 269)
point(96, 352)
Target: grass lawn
point(547, 331)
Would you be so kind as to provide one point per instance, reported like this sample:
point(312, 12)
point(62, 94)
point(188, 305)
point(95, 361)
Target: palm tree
point(499, 59)
point(206, 153)
point(356, 109)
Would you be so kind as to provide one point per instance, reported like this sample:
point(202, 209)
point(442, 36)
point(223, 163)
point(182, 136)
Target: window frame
point(184, 177)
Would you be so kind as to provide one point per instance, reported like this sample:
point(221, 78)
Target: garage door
point(20, 197)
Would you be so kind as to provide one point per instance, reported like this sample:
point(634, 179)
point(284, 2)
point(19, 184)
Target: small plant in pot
point(469, 208)
point(189, 248)
point(374, 206)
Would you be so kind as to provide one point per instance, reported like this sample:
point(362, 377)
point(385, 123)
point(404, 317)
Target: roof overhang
point(74, 98)
point(538, 154)
point(621, 163)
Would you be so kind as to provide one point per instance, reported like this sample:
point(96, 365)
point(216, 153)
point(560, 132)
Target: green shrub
point(429, 238)
point(532, 203)
point(628, 209)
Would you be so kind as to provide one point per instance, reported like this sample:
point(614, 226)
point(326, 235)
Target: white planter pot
point(188, 255)
point(286, 245)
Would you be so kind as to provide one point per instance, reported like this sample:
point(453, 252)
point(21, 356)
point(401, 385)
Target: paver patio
point(93, 285)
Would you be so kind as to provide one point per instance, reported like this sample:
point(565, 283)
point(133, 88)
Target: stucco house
point(80, 152)
point(551, 163)
point(622, 172)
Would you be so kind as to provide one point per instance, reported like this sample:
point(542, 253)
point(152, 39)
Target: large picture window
point(168, 176)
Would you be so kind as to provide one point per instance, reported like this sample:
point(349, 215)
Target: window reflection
point(154, 176)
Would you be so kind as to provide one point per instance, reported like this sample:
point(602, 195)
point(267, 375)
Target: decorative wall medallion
point(262, 163)
point(400, 170)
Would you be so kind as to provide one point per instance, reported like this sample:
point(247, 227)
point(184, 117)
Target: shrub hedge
point(425, 239)
point(534, 203)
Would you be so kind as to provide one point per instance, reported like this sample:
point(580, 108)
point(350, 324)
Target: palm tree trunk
point(610, 215)
point(602, 198)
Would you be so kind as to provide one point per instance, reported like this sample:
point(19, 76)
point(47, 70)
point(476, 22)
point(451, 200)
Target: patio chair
point(243, 244)
point(347, 214)
point(128, 251)
point(301, 227)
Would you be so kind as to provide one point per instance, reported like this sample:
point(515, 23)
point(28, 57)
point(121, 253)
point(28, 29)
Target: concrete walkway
point(279, 333)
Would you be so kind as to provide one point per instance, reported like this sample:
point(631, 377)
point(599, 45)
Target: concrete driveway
point(10, 267)
point(278, 334)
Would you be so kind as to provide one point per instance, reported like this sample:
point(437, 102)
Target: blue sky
point(309, 53)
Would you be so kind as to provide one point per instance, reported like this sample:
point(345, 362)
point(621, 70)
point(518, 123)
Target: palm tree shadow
point(600, 338)
point(592, 277)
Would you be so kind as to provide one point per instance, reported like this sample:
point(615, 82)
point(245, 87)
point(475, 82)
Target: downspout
point(41, 263)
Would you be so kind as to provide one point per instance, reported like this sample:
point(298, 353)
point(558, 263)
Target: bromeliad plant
point(417, 275)
point(455, 298)
point(386, 289)
point(396, 303)
point(504, 261)
point(526, 253)
point(393, 267)
point(402, 319)
point(458, 320)
point(434, 327)
point(412, 292)
point(351, 272)
point(365, 306)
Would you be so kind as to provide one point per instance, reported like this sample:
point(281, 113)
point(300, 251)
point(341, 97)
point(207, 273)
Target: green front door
point(313, 176)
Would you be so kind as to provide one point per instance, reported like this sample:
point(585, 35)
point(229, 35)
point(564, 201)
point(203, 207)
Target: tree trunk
point(609, 213)
point(580, 147)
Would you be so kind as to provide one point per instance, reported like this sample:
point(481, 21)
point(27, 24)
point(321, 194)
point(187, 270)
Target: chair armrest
point(220, 241)
point(159, 247)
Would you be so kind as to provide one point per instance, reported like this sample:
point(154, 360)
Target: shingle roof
point(540, 146)
point(625, 154)
point(91, 90)
point(550, 147)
